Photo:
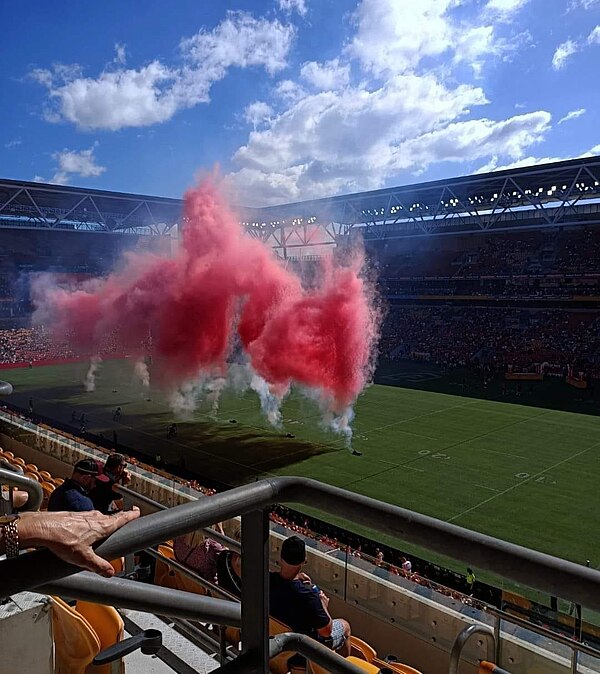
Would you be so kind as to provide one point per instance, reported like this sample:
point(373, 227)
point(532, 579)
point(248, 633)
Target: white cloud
point(563, 53)
point(504, 10)
point(72, 163)
point(293, 6)
point(357, 139)
point(257, 113)
point(155, 92)
point(574, 114)
point(289, 91)
point(396, 36)
point(120, 53)
point(565, 50)
point(13, 143)
point(326, 76)
point(340, 136)
point(594, 36)
point(493, 165)
point(582, 4)
point(472, 139)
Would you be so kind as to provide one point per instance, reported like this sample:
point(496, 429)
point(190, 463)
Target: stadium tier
point(483, 413)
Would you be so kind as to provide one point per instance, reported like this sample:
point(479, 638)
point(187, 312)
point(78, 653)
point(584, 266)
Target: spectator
point(406, 565)
point(103, 494)
point(74, 493)
point(198, 552)
point(470, 580)
point(295, 601)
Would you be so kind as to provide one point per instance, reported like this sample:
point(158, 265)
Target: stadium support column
point(284, 242)
point(255, 589)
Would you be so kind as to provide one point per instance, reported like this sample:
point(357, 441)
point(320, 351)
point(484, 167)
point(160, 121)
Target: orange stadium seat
point(108, 626)
point(45, 474)
point(361, 649)
point(75, 641)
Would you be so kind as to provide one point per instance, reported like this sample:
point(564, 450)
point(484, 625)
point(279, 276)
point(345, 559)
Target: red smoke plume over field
point(220, 282)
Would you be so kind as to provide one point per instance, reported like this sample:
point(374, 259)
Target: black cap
point(293, 551)
point(90, 467)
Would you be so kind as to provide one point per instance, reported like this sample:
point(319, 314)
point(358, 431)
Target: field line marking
point(483, 486)
point(518, 484)
point(419, 416)
point(513, 456)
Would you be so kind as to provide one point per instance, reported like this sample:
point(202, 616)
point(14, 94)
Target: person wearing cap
point(74, 493)
point(103, 494)
point(302, 606)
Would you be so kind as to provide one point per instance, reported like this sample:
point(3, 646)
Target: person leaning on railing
point(69, 535)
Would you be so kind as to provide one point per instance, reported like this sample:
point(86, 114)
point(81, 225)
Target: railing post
point(498, 638)
point(255, 589)
point(574, 661)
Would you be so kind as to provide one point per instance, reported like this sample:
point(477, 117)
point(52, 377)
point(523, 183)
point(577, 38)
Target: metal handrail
point(461, 640)
point(35, 495)
point(134, 498)
point(125, 593)
point(538, 570)
point(544, 632)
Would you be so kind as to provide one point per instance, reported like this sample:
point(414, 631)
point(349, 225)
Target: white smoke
point(341, 423)
point(215, 387)
point(89, 382)
point(141, 373)
point(183, 401)
point(338, 423)
point(269, 403)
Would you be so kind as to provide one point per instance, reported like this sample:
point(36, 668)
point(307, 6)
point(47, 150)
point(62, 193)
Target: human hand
point(303, 577)
point(324, 599)
point(70, 536)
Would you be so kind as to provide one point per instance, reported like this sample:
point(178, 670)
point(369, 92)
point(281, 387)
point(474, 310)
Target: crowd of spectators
point(31, 345)
point(24, 345)
point(459, 336)
point(571, 252)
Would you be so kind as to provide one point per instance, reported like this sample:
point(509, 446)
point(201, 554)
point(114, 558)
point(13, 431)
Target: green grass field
point(521, 473)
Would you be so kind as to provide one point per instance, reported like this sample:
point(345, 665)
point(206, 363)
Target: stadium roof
point(31, 204)
point(548, 195)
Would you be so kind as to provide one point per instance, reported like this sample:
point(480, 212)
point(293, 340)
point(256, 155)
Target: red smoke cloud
point(222, 281)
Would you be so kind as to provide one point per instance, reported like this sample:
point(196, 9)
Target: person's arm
point(325, 631)
point(70, 536)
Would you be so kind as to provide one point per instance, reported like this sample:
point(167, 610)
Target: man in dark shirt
point(296, 602)
point(74, 493)
point(103, 494)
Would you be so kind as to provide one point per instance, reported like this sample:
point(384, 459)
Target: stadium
point(483, 412)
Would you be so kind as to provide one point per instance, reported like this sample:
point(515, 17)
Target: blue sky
point(294, 99)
